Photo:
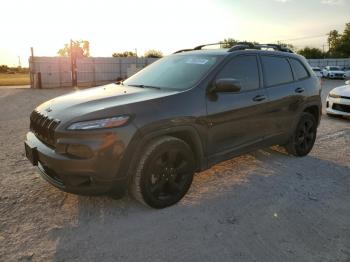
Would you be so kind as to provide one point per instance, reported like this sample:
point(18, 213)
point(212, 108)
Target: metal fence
point(52, 72)
point(329, 62)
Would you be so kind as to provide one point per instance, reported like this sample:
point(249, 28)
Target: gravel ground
point(263, 206)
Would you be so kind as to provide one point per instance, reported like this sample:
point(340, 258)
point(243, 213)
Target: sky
point(119, 25)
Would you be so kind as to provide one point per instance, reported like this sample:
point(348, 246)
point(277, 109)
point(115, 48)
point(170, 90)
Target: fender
point(142, 138)
point(306, 105)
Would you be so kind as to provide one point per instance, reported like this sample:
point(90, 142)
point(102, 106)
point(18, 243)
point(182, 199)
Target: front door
point(237, 119)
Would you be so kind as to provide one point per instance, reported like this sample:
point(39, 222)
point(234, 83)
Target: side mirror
point(226, 85)
point(347, 82)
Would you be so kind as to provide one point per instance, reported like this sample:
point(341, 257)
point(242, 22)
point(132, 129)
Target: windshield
point(316, 69)
point(174, 72)
point(334, 68)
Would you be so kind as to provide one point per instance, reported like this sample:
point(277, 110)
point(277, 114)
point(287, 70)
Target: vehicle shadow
point(263, 206)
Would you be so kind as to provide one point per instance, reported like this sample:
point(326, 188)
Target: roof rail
point(182, 50)
point(276, 47)
point(201, 46)
point(243, 46)
point(196, 48)
point(247, 45)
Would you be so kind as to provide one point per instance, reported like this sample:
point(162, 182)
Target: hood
point(342, 90)
point(97, 99)
point(336, 71)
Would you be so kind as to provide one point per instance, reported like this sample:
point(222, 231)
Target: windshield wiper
point(145, 86)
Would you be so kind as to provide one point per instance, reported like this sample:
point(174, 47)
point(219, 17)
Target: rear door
point(285, 91)
point(237, 119)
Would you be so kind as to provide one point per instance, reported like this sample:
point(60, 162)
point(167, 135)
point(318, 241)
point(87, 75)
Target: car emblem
point(48, 109)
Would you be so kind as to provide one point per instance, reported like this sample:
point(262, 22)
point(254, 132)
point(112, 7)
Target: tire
point(164, 172)
point(304, 136)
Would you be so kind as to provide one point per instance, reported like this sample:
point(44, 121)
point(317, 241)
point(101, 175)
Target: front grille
point(339, 75)
point(43, 127)
point(343, 108)
point(345, 97)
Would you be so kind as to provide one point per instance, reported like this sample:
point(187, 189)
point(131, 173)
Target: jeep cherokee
point(180, 115)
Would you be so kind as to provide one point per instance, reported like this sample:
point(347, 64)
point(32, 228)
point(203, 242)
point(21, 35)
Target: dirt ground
point(263, 206)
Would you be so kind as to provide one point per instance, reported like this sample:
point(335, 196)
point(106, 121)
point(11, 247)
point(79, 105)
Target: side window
point(299, 70)
point(243, 68)
point(276, 70)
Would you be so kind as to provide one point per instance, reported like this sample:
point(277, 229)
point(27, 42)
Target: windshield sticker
point(197, 61)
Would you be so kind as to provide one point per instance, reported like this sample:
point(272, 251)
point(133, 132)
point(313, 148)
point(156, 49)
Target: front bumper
point(337, 76)
point(338, 106)
point(97, 174)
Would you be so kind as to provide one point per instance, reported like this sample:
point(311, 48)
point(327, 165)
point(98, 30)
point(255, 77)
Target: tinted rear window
point(276, 70)
point(299, 70)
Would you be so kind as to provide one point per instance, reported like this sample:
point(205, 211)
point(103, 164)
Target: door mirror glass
point(226, 85)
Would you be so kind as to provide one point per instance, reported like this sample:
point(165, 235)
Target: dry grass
point(14, 79)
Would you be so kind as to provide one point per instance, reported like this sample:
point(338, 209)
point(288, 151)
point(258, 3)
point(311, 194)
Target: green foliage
point(339, 44)
point(78, 49)
point(153, 53)
point(4, 68)
point(228, 43)
point(286, 45)
point(124, 54)
point(311, 53)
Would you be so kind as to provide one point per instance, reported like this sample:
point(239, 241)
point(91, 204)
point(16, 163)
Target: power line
point(303, 38)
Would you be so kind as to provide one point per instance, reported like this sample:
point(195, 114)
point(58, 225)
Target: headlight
point(100, 123)
point(334, 95)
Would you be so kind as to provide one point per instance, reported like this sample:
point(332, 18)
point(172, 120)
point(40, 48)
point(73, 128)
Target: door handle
point(299, 90)
point(259, 98)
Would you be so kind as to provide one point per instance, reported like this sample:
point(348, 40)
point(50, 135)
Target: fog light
point(80, 151)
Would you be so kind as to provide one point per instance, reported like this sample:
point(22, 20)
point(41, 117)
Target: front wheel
point(304, 136)
point(164, 173)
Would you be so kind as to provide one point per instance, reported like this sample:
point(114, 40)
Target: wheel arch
point(315, 111)
point(186, 133)
point(140, 140)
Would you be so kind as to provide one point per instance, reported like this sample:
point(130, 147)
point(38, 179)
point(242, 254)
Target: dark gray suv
point(180, 115)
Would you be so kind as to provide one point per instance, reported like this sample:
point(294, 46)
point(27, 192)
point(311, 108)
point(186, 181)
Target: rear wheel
point(164, 173)
point(303, 139)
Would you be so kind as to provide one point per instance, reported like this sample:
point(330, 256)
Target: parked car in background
point(333, 72)
point(338, 100)
point(317, 71)
point(346, 70)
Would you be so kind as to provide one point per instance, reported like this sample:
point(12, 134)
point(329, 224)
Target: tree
point(124, 54)
point(228, 43)
point(152, 53)
point(339, 44)
point(311, 53)
point(286, 45)
point(79, 49)
point(4, 68)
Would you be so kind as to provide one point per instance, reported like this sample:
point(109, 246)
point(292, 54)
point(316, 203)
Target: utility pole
point(19, 62)
point(31, 67)
point(73, 64)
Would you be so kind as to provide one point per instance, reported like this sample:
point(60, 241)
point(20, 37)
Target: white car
point(317, 71)
point(338, 100)
point(333, 72)
point(347, 71)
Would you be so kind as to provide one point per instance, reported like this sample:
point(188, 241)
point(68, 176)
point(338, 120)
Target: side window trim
point(258, 66)
point(263, 74)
